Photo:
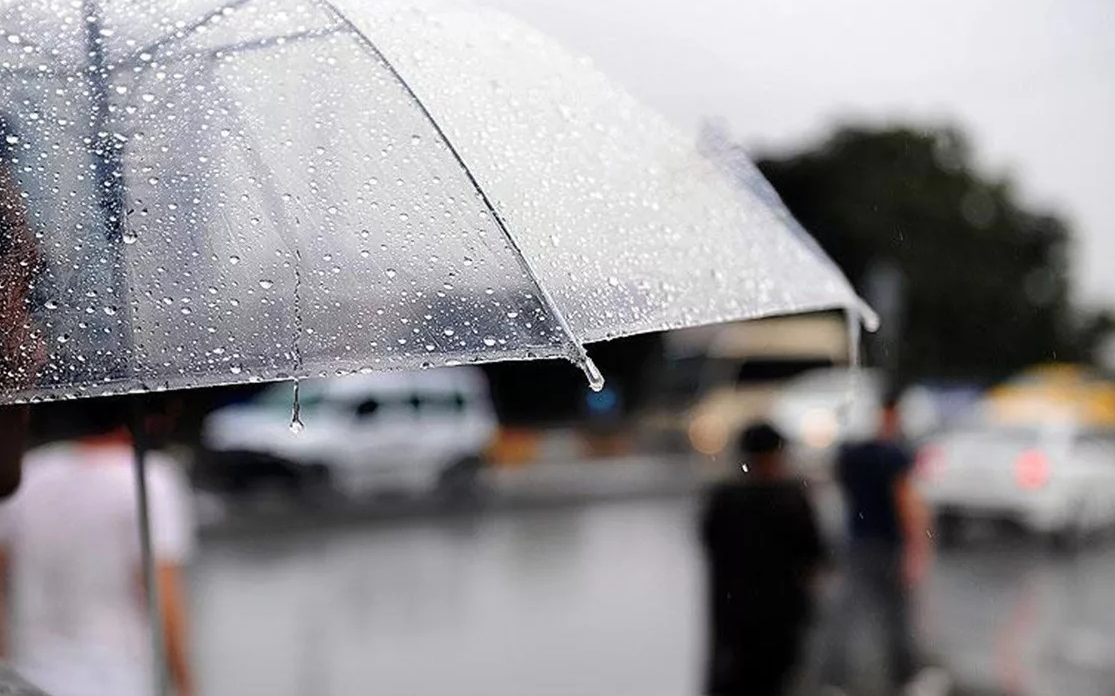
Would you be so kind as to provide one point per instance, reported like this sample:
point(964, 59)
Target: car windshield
point(765, 370)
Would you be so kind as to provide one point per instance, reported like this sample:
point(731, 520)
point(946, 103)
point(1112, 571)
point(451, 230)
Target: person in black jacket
point(764, 550)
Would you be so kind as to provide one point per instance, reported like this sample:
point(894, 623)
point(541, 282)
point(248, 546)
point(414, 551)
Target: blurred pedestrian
point(69, 543)
point(764, 550)
point(888, 551)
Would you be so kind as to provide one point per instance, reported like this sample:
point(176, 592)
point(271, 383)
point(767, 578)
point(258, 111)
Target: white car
point(412, 431)
point(821, 410)
point(1056, 479)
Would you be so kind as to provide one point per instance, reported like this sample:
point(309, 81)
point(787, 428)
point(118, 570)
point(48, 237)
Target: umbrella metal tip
point(593, 373)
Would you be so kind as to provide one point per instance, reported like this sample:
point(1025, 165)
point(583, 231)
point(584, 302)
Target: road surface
point(586, 600)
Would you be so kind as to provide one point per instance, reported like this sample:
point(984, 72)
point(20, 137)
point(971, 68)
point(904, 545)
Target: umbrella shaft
point(150, 584)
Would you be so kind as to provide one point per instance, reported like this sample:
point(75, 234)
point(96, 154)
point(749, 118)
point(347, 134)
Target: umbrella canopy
point(198, 192)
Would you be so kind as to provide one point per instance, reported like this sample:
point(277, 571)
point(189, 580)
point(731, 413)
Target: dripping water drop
point(296, 425)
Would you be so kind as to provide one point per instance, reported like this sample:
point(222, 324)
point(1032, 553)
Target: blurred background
point(505, 530)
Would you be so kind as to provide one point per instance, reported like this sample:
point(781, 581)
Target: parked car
point(822, 409)
point(411, 431)
point(1052, 478)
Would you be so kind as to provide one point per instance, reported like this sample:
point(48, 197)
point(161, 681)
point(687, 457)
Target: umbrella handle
point(147, 555)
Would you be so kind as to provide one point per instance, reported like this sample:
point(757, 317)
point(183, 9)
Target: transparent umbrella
point(201, 192)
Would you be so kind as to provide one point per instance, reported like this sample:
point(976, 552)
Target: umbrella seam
point(578, 354)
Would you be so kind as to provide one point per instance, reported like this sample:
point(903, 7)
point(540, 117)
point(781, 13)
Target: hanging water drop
point(296, 425)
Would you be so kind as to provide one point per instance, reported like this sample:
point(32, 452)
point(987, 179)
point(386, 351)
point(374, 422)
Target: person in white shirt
point(69, 546)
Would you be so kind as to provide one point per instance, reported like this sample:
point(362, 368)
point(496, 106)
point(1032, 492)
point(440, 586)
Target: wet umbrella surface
point(267, 189)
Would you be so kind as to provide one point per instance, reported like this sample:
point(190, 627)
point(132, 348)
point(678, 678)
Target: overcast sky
point(1031, 81)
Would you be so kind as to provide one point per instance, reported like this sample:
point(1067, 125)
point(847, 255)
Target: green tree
point(987, 281)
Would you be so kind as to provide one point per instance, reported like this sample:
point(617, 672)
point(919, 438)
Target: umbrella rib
point(244, 46)
point(578, 355)
point(185, 32)
point(133, 60)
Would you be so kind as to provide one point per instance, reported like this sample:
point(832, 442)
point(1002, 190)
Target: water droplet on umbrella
point(121, 89)
point(296, 425)
point(489, 341)
point(12, 139)
point(266, 284)
point(50, 304)
point(449, 332)
point(130, 237)
point(111, 311)
point(613, 281)
point(148, 97)
point(234, 260)
point(64, 338)
point(415, 139)
point(391, 273)
point(235, 369)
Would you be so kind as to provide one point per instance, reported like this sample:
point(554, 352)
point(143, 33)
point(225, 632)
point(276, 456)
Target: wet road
point(587, 600)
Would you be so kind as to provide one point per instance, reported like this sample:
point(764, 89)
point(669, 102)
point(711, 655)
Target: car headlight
point(708, 435)
point(819, 428)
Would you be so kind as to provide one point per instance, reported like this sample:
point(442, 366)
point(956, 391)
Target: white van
point(411, 431)
point(820, 410)
point(746, 366)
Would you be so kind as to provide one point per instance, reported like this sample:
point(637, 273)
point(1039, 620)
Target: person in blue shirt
point(888, 549)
